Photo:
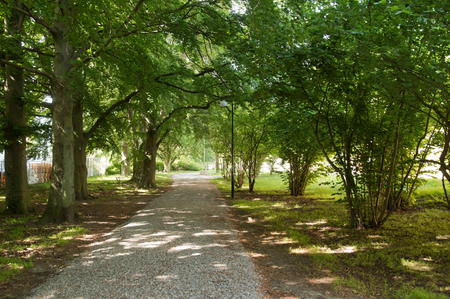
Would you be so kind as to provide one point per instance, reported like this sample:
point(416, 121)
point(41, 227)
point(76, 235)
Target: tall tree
point(79, 33)
point(17, 194)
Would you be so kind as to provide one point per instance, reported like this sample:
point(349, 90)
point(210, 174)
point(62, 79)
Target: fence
point(39, 172)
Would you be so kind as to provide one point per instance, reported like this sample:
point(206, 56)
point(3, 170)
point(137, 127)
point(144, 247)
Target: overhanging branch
point(27, 69)
point(107, 112)
point(172, 113)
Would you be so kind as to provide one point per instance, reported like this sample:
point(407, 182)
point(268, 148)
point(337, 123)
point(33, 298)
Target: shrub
point(187, 165)
point(113, 169)
point(159, 166)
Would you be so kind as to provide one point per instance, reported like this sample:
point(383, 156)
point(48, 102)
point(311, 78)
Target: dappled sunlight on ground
point(181, 237)
point(320, 222)
point(417, 265)
point(322, 280)
point(323, 249)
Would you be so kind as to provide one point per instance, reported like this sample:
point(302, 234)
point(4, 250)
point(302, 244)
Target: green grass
point(12, 266)
point(432, 187)
point(16, 238)
point(409, 257)
point(429, 194)
point(275, 184)
point(264, 183)
point(325, 187)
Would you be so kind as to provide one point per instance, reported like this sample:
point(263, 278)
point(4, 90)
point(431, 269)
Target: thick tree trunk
point(217, 163)
point(137, 163)
point(148, 178)
point(79, 153)
point(126, 171)
point(61, 202)
point(167, 163)
point(16, 180)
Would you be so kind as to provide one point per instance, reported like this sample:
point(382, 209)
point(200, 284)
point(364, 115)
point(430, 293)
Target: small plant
point(113, 169)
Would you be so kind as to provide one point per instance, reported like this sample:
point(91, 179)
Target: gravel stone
point(181, 245)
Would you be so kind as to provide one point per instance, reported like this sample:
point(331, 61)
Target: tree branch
point(28, 12)
point(206, 107)
point(161, 139)
point(46, 105)
point(107, 112)
point(37, 51)
point(27, 69)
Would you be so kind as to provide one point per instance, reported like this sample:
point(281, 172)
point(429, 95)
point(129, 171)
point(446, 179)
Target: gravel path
point(181, 245)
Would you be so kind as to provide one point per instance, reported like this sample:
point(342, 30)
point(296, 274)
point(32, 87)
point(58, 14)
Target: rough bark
point(125, 170)
point(80, 175)
point(148, 177)
point(168, 163)
point(16, 180)
point(217, 163)
point(61, 202)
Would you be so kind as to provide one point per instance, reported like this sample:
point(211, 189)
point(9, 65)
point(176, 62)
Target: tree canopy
point(362, 85)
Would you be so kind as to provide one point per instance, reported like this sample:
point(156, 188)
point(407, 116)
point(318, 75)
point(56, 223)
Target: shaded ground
point(285, 275)
point(99, 216)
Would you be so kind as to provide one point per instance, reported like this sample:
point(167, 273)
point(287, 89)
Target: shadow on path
point(181, 245)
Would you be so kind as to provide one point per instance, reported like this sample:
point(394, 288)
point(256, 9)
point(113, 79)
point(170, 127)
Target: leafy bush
point(159, 166)
point(187, 165)
point(113, 169)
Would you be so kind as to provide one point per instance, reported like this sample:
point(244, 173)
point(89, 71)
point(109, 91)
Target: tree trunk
point(80, 175)
point(217, 163)
point(168, 161)
point(148, 178)
point(137, 163)
point(16, 180)
point(251, 175)
point(61, 202)
point(126, 162)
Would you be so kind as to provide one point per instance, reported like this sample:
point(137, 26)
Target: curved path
point(181, 245)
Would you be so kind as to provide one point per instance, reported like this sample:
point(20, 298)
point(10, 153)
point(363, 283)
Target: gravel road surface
point(181, 245)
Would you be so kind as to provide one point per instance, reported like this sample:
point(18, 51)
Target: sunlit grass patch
point(12, 266)
point(417, 293)
point(325, 187)
point(19, 240)
point(412, 248)
point(65, 236)
point(416, 265)
point(263, 183)
point(431, 187)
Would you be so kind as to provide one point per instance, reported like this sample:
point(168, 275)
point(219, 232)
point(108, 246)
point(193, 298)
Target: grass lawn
point(409, 257)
